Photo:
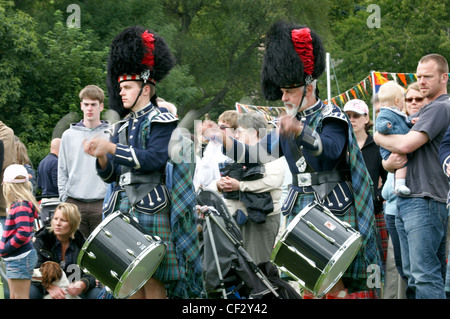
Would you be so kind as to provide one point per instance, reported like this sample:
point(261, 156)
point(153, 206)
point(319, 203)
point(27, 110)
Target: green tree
point(408, 30)
point(222, 42)
point(18, 54)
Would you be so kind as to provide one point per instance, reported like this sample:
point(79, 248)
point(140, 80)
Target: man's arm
point(63, 174)
point(402, 144)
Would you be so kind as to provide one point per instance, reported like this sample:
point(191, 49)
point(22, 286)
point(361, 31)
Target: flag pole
point(373, 95)
point(328, 79)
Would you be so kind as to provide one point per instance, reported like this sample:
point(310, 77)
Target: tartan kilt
point(355, 277)
point(157, 224)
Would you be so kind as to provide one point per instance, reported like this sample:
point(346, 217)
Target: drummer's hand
point(56, 292)
point(290, 126)
point(211, 131)
point(97, 146)
point(76, 288)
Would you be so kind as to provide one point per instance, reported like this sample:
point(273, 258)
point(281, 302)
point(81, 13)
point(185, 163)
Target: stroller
point(229, 271)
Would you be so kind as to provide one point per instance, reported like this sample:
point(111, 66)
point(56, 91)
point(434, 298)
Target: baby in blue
point(392, 120)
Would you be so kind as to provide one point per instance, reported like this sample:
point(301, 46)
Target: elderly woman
point(61, 243)
point(259, 236)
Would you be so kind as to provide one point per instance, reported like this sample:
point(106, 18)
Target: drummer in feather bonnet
point(135, 158)
point(319, 145)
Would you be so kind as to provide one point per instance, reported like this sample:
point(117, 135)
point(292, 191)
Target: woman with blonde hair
point(16, 247)
point(61, 243)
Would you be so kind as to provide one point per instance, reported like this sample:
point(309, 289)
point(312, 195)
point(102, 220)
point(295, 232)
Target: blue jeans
point(392, 231)
point(21, 268)
point(422, 228)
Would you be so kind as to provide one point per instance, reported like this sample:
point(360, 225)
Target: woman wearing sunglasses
point(414, 99)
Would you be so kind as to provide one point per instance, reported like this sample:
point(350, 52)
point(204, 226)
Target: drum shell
point(120, 248)
point(308, 256)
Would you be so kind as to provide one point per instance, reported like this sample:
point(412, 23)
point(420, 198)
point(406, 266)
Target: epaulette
point(332, 111)
point(164, 117)
point(336, 115)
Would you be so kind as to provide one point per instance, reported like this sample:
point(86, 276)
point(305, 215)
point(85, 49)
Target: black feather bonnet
point(294, 56)
point(136, 54)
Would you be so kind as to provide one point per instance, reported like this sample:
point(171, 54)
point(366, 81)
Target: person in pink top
point(16, 247)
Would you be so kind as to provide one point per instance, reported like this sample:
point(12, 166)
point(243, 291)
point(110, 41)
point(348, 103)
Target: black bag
point(252, 173)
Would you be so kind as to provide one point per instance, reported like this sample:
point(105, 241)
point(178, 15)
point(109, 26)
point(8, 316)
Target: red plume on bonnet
point(149, 44)
point(303, 46)
point(294, 56)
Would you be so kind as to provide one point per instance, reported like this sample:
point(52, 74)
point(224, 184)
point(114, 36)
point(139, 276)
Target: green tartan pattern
point(184, 233)
point(157, 224)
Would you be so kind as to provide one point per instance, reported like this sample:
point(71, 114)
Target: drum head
point(316, 249)
point(138, 273)
point(338, 265)
point(120, 256)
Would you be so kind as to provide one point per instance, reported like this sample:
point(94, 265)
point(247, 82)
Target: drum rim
point(134, 264)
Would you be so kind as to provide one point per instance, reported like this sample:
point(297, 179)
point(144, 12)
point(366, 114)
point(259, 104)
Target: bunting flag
point(371, 84)
point(366, 88)
point(380, 79)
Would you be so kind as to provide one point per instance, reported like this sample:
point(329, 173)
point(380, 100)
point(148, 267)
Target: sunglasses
point(410, 99)
point(355, 115)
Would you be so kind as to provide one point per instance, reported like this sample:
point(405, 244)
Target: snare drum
point(120, 255)
point(316, 249)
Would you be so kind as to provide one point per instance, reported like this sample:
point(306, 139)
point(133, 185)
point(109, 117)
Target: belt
point(317, 178)
point(129, 178)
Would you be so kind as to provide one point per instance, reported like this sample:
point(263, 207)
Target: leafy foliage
point(218, 45)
